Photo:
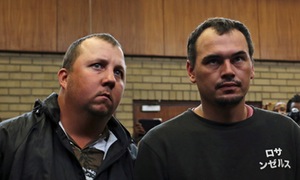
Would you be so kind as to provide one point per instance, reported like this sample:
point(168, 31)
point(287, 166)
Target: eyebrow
point(239, 53)
point(121, 67)
point(212, 56)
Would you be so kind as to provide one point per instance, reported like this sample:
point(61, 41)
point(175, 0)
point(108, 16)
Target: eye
point(119, 73)
point(212, 62)
point(238, 59)
point(97, 66)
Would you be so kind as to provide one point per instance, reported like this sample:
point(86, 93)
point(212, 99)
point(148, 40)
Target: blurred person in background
point(280, 107)
point(293, 107)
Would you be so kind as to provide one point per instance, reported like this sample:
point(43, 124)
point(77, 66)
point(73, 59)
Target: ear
point(63, 77)
point(190, 71)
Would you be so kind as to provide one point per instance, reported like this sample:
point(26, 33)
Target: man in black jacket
point(73, 135)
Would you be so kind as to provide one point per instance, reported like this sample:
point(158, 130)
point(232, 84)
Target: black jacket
point(33, 146)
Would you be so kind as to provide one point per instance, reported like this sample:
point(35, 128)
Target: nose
point(227, 69)
point(109, 78)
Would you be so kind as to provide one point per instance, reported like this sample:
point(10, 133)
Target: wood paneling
point(181, 17)
point(279, 29)
point(137, 24)
point(144, 27)
point(73, 22)
point(28, 25)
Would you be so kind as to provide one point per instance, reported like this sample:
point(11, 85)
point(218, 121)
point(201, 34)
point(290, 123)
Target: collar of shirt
point(100, 144)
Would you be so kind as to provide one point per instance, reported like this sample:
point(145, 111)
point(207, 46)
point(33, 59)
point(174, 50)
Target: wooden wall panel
point(137, 24)
point(144, 27)
point(73, 22)
point(28, 25)
point(279, 29)
point(181, 17)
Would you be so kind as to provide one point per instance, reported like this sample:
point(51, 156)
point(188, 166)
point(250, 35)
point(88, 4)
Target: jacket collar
point(50, 108)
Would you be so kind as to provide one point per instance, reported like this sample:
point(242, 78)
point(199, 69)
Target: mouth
point(105, 95)
point(228, 85)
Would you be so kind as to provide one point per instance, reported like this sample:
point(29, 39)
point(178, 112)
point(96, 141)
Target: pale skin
point(222, 72)
point(92, 90)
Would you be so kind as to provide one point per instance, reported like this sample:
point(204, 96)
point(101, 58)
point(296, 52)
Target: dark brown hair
point(221, 25)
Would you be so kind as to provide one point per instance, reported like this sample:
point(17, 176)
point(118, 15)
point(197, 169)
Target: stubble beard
point(104, 110)
point(94, 109)
point(223, 102)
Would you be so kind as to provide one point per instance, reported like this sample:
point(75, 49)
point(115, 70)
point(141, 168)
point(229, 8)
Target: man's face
point(295, 105)
point(97, 80)
point(223, 67)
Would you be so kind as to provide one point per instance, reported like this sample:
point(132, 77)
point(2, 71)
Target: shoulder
point(40, 111)
point(273, 118)
point(13, 131)
point(21, 126)
point(276, 126)
point(14, 124)
point(172, 126)
point(268, 114)
point(177, 121)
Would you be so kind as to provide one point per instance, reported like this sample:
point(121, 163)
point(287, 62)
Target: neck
point(83, 133)
point(223, 114)
point(82, 127)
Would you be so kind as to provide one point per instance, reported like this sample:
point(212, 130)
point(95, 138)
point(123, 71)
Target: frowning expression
point(97, 80)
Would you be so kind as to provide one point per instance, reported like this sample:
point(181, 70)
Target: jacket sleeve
point(2, 141)
point(5, 152)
